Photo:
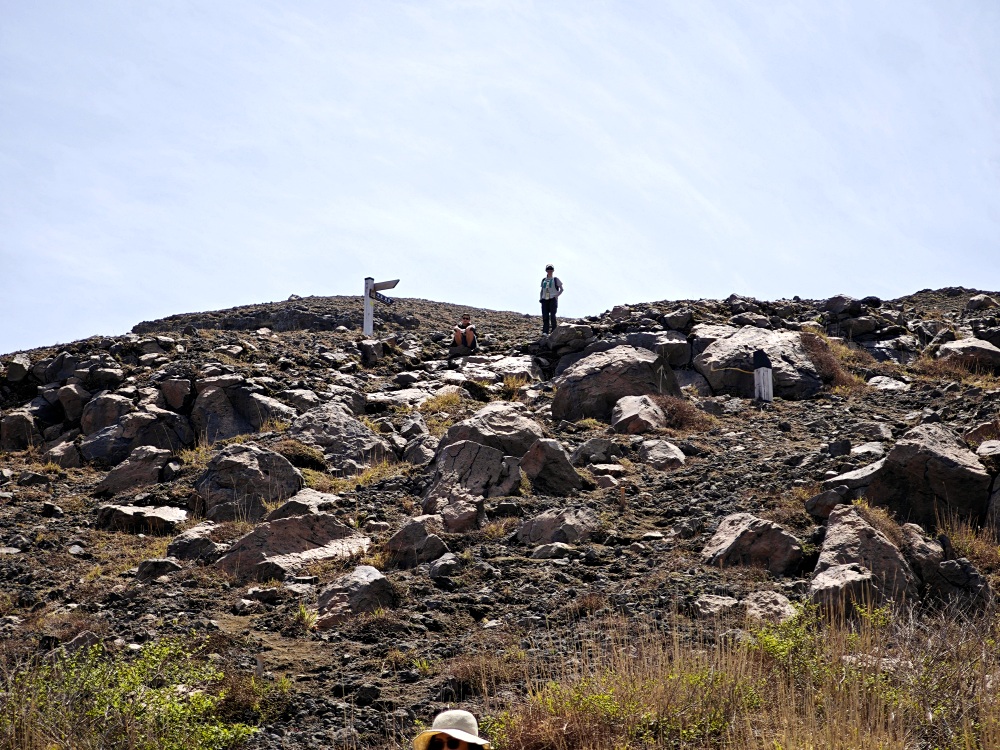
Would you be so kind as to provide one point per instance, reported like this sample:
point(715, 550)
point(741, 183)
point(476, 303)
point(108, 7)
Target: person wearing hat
point(549, 297)
point(451, 730)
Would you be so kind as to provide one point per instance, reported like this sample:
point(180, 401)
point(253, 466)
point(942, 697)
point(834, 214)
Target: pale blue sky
point(163, 157)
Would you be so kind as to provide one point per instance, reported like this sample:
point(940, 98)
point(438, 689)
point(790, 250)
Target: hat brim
point(422, 740)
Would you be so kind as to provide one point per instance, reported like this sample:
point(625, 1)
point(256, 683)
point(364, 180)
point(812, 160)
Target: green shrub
point(162, 698)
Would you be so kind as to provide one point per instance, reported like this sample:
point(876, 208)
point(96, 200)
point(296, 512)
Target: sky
point(172, 156)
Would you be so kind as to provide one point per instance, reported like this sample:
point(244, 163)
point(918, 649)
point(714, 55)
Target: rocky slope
point(366, 517)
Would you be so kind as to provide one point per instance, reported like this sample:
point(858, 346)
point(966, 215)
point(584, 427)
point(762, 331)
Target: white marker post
point(763, 380)
point(372, 290)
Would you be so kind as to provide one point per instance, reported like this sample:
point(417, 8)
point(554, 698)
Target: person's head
point(466, 318)
point(451, 730)
point(549, 269)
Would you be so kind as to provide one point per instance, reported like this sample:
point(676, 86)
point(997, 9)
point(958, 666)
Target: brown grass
point(833, 360)
point(966, 372)
point(881, 519)
point(300, 455)
point(980, 544)
point(682, 415)
point(880, 682)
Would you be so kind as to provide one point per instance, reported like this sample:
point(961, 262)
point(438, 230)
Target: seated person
point(454, 730)
point(465, 333)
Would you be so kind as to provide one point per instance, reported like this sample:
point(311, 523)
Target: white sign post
point(372, 290)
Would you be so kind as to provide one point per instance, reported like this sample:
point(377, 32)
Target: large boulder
point(362, 590)
point(154, 426)
point(971, 352)
point(727, 363)
point(672, 346)
point(548, 467)
point(196, 543)
point(145, 465)
point(479, 469)
point(851, 540)
point(837, 589)
point(744, 539)
point(160, 520)
point(18, 431)
point(942, 576)
point(224, 412)
point(635, 414)
point(592, 386)
point(278, 548)
point(347, 444)
point(416, 541)
point(104, 410)
point(928, 474)
point(73, 398)
point(503, 425)
point(241, 478)
point(661, 454)
point(568, 526)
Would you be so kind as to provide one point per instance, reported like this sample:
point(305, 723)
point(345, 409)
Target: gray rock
point(154, 426)
point(18, 368)
point(196, 544)
point(661, 454)
point(104, 410)
point(973, 352)
point(479, 469)
point(413, 544)
point(592, 386)
point(304, 502)
point(241, 478)
point(743, 539)
point(73, 398)
point(18, 431)
point(548, 467)
point(160, 520)
point(768, 606)
point(568, 526)
point(635, 414)
point(278, 548)
point(980, 302)
point(930, 473)
point(348, 445)
point(421, 450)
point(65, 454)
point(839, 588)
point(156, 567)
point(596, 451)
point(851, 540)
point(551, 551)
point(503, 425)
point(727, 363)
point(364, 589)
point(671, 346)
point(948, 580)
point(175, 392)
point(709, 606)
point(447, 565)
point(885, 383)
point(144, 466)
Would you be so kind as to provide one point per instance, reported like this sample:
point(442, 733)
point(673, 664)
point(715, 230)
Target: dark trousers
point(549, 314)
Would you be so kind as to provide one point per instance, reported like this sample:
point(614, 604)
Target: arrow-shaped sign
point(380, 285)
point(381, 297)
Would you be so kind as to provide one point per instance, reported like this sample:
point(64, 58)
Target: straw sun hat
point(456, 723)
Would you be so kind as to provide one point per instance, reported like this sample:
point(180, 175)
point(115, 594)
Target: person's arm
point(559, 287)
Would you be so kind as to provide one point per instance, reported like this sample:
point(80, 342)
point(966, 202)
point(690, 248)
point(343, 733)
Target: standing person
point(454, 730)
point(549, 297)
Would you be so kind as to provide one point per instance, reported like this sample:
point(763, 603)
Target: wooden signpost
point(372, 290)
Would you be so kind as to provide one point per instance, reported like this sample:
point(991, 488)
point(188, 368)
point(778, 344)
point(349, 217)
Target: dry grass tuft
point(682, 415)
point(301, 455)
point(881, 519)
point(980, 544)
point(966, 371)
point(832, 360)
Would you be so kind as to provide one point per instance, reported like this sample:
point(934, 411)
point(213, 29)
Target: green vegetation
point(882, 681)
point(163, 698)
